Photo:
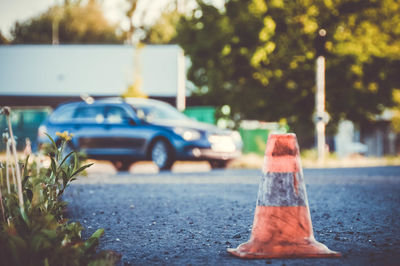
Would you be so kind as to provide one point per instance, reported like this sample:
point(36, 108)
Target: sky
point(20, 10)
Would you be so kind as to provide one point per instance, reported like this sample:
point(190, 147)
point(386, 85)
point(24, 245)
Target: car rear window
point(63, 114)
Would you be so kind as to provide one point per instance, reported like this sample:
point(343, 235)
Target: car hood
point(190, 124)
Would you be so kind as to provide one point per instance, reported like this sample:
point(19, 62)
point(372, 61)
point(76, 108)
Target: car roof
point(115, 100)
point(130, 100)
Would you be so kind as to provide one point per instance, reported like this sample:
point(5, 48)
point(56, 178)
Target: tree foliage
point(258, 56)
point(72, 22)
point(163, 31)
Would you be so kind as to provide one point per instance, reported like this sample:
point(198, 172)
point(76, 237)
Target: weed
point(33, 229)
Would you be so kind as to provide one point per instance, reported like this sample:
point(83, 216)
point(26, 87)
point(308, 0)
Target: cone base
point(257, 250)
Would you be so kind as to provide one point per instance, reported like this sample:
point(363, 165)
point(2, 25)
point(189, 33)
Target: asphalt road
point(190, 217)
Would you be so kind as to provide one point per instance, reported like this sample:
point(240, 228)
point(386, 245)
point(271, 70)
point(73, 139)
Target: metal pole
point(320, 107)
point(181, 90)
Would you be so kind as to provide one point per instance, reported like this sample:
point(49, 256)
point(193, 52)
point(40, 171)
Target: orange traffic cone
point(282, 224)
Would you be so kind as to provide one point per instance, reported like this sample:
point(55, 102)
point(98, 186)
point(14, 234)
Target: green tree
point(164, 30)
point(365, 52)
point(71, 22)
point(258, 56)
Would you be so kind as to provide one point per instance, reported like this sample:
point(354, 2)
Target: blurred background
point(248, 65)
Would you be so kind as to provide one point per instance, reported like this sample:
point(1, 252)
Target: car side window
point(90, 114)
point(116, 115)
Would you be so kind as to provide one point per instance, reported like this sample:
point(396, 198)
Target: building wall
point(98, 70)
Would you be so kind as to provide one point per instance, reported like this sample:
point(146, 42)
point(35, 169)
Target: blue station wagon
point(124, 131)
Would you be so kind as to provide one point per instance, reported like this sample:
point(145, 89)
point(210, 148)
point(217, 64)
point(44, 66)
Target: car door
point(126, 135)
point(89, 129)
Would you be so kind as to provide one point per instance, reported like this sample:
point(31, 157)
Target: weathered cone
point(282, 224)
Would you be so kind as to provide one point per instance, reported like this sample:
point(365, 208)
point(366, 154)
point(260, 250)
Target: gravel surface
point(191, 218)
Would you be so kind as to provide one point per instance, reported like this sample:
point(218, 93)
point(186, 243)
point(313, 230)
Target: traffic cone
point(282, 223)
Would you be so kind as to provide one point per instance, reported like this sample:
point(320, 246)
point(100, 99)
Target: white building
point(34, 74)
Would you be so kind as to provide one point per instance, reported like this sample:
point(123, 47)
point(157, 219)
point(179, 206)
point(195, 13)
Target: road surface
point(192, 215)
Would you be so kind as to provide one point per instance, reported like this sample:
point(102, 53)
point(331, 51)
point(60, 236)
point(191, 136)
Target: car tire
point(218, 164)
point(161, 154)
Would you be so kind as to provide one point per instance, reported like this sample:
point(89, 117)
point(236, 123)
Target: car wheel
point(161, 155)
point(218, 164)
point(122, 166)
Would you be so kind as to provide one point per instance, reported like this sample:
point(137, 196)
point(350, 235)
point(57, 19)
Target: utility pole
point(321, 117)
point(56, 25)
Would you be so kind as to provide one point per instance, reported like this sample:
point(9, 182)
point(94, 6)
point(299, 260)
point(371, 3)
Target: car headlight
point(222, 143)
point(187, 134)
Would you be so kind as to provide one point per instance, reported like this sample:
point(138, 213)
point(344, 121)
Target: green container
point(254, 140)
point(204, 114)
point(25, 123)
point(255, 135)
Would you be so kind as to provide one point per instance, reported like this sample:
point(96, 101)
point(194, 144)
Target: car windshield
point(158, 111)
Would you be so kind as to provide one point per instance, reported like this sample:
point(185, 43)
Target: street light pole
point(320, 107)
point(321, 116)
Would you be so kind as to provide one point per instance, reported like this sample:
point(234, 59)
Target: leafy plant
point(36, 232)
